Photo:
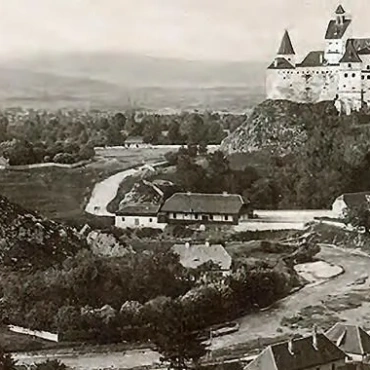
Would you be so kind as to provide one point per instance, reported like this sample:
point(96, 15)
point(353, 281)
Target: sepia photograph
point(184, 185)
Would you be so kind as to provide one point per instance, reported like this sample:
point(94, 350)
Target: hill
point(116, 81)
point(30, 241)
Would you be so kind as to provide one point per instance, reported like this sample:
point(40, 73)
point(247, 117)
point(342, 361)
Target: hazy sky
point(191, 29)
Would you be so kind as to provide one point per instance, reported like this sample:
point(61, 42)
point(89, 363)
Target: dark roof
point(286, 47)
point(350, 338)
point(281, 63)
point(350, 55)
point(336, 31)
point(313, 59)
point(304, 356)
point(364, 51)
point(360, 44)
point(139, 209)
point(340, 10)
point(204, 203)
point(356, 199)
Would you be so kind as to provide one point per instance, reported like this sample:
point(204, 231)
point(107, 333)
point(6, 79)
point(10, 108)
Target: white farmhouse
point(138, 216)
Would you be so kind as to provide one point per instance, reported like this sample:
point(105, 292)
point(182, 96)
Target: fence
point(35, 333)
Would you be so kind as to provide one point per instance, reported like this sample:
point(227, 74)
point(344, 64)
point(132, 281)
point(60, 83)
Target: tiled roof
point(340, 10)
point(193, 256)
point(281, 63)
point(313, 59)
point(350, 338)
point(230, 204)
point(364, 51)
point(356, 199)
point(286, 47)
point(303, 356)
point(336, 31)
point(350, 55)
point(139, 209)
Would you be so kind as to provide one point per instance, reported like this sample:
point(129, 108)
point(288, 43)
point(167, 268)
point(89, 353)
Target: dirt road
point(266, 324)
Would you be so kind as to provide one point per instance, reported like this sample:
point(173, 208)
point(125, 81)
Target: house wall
point(339, 207)
point(138, 222)
point(199, 217)
point(303, 84)
point(34, 333)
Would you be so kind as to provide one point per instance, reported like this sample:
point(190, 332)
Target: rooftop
point(356, 199)
point(303, 354)
point(350, 338)
point(230, 204)
point(280, 63)
point(313, 59)
point(335, 30)
point(139, 209)
point(286, 47)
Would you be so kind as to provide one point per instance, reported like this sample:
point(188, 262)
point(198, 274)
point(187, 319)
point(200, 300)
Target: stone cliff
point(276, 126)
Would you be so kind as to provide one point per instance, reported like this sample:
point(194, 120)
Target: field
point(61, 194)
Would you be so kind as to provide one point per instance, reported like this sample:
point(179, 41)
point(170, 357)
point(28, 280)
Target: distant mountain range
point(115, 81)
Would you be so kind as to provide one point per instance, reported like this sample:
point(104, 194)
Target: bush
point(64, 158)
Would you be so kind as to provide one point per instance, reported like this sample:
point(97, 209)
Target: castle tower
point(286, 50)
point(337, 34)
point(350, 84)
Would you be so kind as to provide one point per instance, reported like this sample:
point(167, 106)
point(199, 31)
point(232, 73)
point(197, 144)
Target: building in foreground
point(339, 70)
point(192, 208)
point(350, 201)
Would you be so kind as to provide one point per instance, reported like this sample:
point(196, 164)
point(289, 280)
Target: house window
point(211, 217)
point(137, 222)
point(226, 218)
point(150, 220)
point(174, 215)
point(122, 219)
point(196, 216)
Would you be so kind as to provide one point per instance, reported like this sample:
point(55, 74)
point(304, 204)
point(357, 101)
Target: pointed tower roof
point(286, 47)
point(350, 56)
point(340, 10)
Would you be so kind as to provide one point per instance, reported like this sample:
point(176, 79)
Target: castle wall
point(350, 86)
point(306, 85)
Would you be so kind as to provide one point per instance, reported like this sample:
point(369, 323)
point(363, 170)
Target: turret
point(340, 15)
point(286, 50)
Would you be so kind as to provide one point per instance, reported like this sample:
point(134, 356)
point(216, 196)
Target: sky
point(227, 30)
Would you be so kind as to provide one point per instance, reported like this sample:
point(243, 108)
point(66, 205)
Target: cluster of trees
point(157, 291)
point(66, 137)
point(334, 159)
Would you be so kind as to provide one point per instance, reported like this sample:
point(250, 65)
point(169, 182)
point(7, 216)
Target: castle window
point(367, 67)
point(346, 75)
point(363, 77)
point(349, 65)
point(353, 74)
point(368, 77)
point(344, 86)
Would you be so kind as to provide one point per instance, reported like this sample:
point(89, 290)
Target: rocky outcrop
point(276, 126)
point(106, 245)
point(29, 240)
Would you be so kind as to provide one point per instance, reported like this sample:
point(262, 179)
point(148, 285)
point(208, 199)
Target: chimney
point(207, 243)
point(321, 58)
point(187, 245)
point(314, 337)
point(275, 63)
point(290, 347)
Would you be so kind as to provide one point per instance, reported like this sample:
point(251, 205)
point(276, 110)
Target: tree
point(175, 338)
point(50, 365)
point(6, 361)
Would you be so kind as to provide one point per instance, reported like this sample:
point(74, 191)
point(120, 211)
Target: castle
point(340, 73)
